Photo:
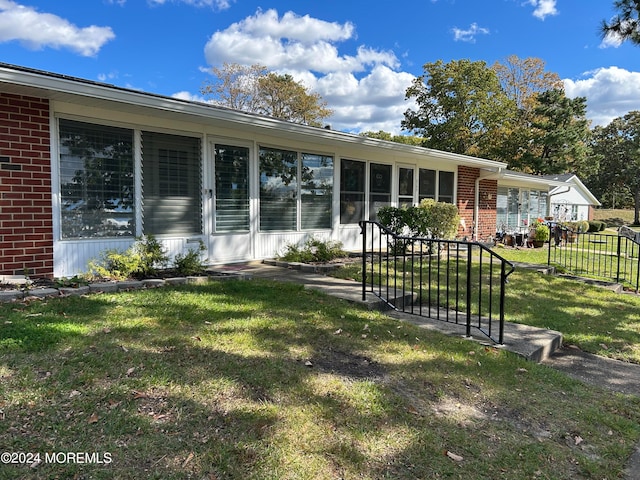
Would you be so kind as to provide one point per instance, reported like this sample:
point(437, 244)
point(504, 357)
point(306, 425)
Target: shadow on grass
point(272, 381)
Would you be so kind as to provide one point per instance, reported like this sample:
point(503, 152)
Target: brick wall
point(466, 203)
point(26, 235)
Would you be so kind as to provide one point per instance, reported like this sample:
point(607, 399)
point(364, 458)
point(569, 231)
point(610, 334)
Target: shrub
point(313, 250)
point(189, 263)
point(594, 226)
point(437, 219)
point(583, 226)
point(140, 260)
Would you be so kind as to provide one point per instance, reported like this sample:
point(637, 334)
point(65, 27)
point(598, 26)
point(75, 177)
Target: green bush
point(141, 260)
point(583, 226)
point(429, 219)
point(437, 219)
point(313, 251)
point(189, 263)
point(596, 226)
point(542, 232)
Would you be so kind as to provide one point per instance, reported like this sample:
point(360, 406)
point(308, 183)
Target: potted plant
point(540, 233)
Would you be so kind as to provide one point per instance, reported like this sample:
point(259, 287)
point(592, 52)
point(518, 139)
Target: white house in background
point(571, 201)
point(522, 198)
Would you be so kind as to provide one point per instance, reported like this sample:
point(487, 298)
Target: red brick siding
point(466, 203)
point(26, 228)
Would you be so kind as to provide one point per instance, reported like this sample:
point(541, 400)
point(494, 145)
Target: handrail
point(451, 280)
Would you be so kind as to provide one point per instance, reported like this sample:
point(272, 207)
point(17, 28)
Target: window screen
point(278, 189)
point(96, 181)
point(232, 188)
point(352, 190)
point(172, 199)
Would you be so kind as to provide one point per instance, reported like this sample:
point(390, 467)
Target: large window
point(379, 188)
point(278, 189)
point(172, 184)
point(316, 191)
point(517, 208)
point(352, 190)
point(292, 183)
point(96, 181)
point(437, 185)
point(445, 187)
point(427, 180)
point(232, 188)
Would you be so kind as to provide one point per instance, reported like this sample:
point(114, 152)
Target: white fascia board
point(522, 179)
point(70, 87)
point(576, 183)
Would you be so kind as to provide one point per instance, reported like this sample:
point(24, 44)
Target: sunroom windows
point(97, 182)
point(96, 173)
point(367, 187)
point(517, 208)
point(296, 190)
point(172, 184)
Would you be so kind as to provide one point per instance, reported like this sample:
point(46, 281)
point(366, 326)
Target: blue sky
point(359, 55)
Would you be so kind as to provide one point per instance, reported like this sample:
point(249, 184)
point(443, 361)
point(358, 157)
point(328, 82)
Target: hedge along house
point(86, 167)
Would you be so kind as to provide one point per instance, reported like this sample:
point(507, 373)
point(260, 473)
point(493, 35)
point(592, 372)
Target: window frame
point(242, 226)
point(131, 212)
point(189, 188)
point(298, 192)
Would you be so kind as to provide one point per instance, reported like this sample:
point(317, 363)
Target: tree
point(461, 107)
point(254, 89)
point(618, 147)
point(282, 97)
point(236, 86)
point(382, 135)
point(625, 25)
point(559, 142)
point(522, 81)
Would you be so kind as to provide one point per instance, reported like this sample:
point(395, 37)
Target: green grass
point(262, 380)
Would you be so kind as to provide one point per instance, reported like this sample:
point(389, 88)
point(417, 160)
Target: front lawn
point(256, 379)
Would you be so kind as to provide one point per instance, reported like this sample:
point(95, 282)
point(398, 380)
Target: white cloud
point(543, 8)
point(469, 35)
point(38, 30)
point(611, 92)
point(292, 41)
point(364, 89)
point(217, 4)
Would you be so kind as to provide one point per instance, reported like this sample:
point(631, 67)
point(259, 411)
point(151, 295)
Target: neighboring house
point(86, 167)
point(522, 198)
point(571, 201)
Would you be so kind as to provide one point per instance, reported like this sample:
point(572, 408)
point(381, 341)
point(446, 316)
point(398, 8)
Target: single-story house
point(86, 166)
point(572, 200)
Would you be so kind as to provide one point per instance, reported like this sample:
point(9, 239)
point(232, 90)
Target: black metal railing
point(603, 256)
point(453, 281)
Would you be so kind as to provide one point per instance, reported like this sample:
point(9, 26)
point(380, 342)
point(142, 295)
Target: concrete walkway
point(535, 344)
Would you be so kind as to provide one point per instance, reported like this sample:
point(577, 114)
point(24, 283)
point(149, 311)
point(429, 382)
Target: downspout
point(476, 203)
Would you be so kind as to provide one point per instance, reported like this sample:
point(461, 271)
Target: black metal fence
point(453, 281)
point(604, 256)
